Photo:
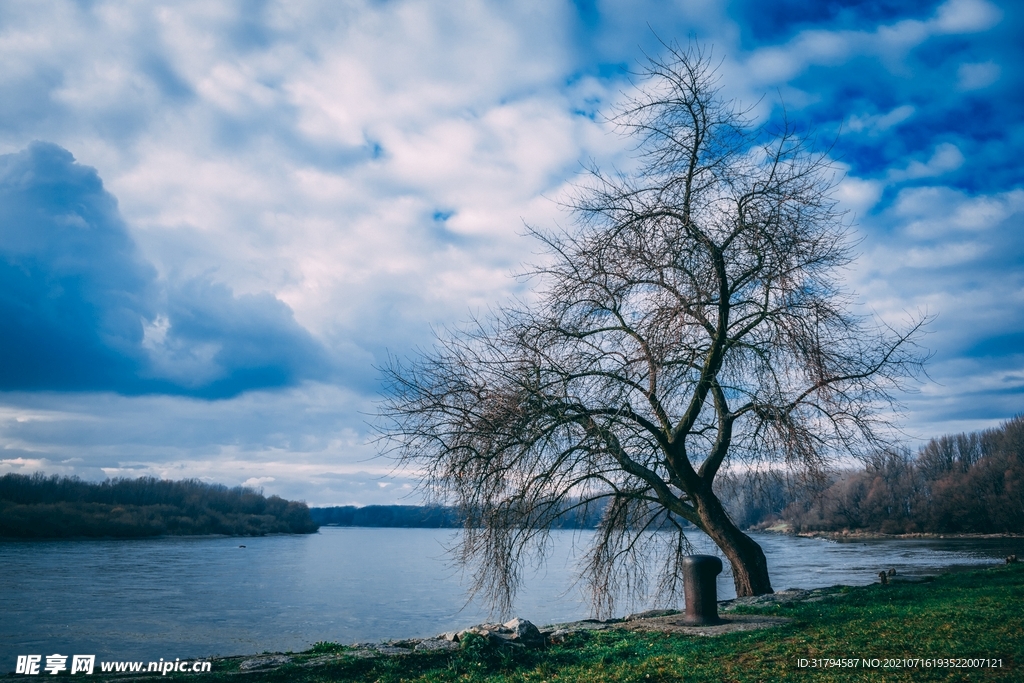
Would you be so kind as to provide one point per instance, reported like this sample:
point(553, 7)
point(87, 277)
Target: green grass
point(971, 614)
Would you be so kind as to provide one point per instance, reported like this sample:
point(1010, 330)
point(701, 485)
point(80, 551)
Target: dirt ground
point(730, 624)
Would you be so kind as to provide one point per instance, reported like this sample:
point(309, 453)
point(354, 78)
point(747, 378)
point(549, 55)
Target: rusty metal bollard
point(701, 590)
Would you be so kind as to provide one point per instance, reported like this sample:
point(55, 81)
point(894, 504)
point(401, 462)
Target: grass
point(960, 615)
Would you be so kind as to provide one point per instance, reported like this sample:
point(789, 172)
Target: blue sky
point(217, 217)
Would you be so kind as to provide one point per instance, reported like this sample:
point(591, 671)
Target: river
point(196, 597)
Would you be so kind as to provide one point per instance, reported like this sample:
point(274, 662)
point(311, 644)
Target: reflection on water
point(187, 597)
point(813, 562)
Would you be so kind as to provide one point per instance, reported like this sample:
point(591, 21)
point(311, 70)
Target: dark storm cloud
point(82, 310)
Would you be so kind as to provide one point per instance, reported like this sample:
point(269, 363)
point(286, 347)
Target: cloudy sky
point(217, 217)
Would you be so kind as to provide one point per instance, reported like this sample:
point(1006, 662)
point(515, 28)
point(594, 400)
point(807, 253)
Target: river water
point(197, 597)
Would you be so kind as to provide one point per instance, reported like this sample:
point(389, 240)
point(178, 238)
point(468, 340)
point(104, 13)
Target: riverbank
point(786, 529)
point(958, 626)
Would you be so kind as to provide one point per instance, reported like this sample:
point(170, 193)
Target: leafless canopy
point(692, 319)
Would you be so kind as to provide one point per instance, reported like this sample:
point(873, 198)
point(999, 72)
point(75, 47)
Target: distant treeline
point(61, 507)
point(962, 483)
point(407, 516)
point(426, 517)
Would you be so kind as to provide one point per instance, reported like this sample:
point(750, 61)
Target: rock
point(408, 643)
point(389, 650)
point(555, 634)
point(586, 625)
point(517, 633)
point(652, 613)
point(436, 645)
point(524, 632)
point(321, 660)
point(559, 636)
point(264, 662)
point(483, 630)
point(780, 597)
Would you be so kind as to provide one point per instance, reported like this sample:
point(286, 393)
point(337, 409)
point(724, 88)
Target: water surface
point(195, 597)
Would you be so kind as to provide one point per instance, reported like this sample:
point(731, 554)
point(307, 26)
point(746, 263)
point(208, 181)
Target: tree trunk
point(749, 566)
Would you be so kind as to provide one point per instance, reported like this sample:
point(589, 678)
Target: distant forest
point(62, 507)
point(962, 483)
point(424, 517)
point(407, 516)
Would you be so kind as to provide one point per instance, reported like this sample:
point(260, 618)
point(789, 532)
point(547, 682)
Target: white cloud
point(888, 42)
point(946, 157)
point(949, 254)
point(966, 16)
point(952, 255)
point(858, 195)
point(467, 112)
point(879, 123)
point(936, 211)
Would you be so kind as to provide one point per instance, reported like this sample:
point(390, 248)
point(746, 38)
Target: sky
point(217, 219)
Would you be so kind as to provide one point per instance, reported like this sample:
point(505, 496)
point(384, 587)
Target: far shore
point(857, 534)
point(33, 539)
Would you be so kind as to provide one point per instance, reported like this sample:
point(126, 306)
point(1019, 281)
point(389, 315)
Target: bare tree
point(691, 320)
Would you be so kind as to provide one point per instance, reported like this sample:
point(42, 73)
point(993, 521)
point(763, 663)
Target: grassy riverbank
point(962, 615)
